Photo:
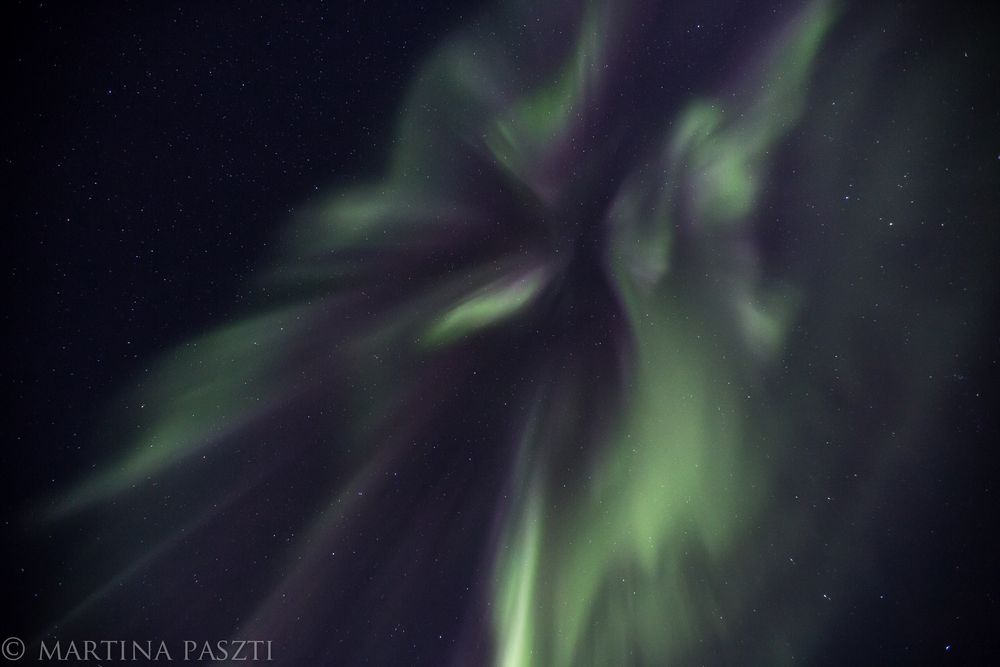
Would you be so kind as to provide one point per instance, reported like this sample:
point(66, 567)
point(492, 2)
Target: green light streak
point(494, 303)
point(518, 596)
point(724, 149)
point(544, 117)
point(211, 386)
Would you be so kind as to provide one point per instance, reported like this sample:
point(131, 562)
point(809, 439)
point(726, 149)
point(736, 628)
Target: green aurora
point(649, 512)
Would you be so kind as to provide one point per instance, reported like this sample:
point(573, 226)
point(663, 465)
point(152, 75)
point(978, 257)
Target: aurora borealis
point(650, 334)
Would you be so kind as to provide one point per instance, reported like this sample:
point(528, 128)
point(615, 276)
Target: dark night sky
point(151, 154)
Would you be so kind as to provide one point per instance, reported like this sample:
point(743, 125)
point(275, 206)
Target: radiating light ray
point(490, 305)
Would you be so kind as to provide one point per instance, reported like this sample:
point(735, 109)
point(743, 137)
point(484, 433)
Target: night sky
point(611, 333)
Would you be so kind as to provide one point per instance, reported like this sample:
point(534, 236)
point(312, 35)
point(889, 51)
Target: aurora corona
point(568, 302)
